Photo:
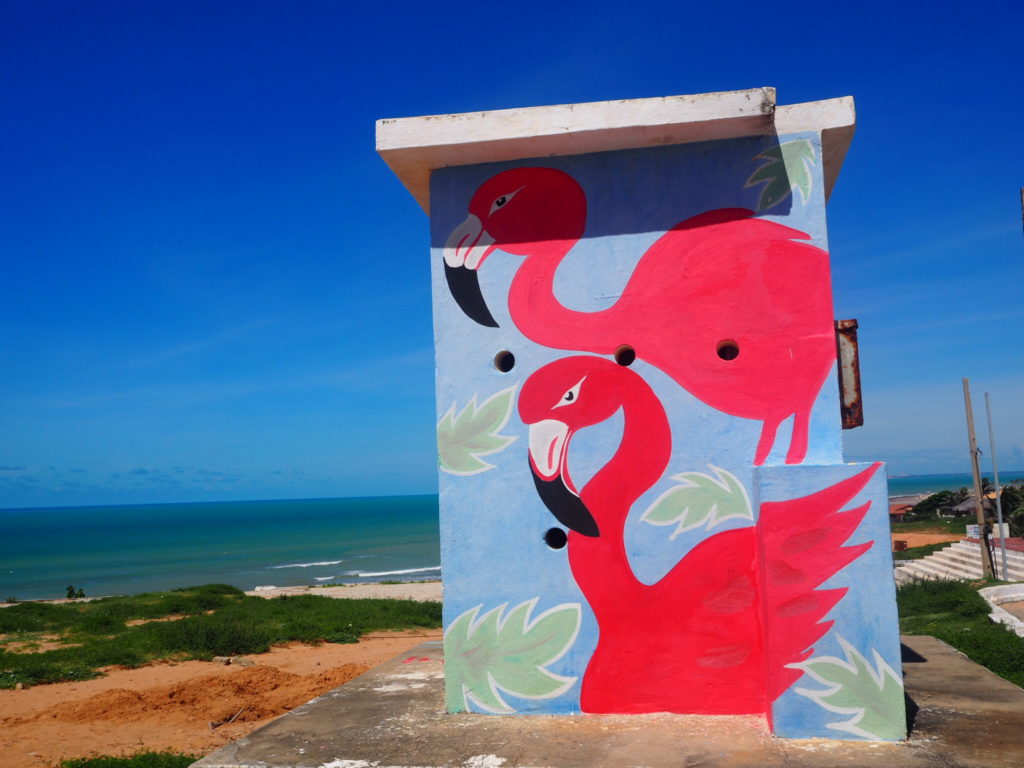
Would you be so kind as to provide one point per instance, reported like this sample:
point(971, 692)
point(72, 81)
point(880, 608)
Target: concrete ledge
point(414, 146)
point(393, 716)
point(1006, 593)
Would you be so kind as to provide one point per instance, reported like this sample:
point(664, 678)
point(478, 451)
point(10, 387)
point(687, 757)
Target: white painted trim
point(415, 146)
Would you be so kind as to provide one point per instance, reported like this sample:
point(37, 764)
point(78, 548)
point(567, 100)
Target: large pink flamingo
point(726, 304)
point(715, 635)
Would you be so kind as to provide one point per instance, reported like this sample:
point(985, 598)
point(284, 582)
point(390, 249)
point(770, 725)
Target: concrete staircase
point(960, 561)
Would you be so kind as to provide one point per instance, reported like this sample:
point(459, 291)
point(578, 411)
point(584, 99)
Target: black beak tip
point(464, 284)
point(566, 506)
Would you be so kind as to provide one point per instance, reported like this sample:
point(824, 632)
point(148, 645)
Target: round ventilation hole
point(504, 361)
point(555, 538)
point(625, 355)
point(728, 349)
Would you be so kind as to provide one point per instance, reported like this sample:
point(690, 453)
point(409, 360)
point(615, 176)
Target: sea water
point(140, 548)
point(910, 484)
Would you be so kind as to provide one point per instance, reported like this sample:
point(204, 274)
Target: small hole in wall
point(625, 355)
point(728, 349)
point(555, 538)
point(504, 361)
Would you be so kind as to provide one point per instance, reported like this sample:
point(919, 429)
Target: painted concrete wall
point(643, 501)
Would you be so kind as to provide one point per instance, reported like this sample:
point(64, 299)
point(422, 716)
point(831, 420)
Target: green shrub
point(219, 621)
point(141, 760)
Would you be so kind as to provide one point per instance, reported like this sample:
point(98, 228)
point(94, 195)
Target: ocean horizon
point(127, 549)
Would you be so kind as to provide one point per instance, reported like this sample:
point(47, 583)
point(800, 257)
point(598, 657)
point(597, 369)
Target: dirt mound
point(170, 705)
point(248, 694)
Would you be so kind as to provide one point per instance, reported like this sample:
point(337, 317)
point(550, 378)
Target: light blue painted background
point(492, 524)
point(866, 617)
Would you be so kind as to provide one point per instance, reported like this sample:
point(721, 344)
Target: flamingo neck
point(543, 318)
point(601, 564)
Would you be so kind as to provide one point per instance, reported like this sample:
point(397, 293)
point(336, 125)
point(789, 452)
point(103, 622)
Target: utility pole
point(999, 490)
point(986, 555)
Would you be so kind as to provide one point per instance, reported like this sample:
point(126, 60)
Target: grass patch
point(141, 760)
point(954, 525)
point(954, 612)
point(219, 621)
point(916, 553)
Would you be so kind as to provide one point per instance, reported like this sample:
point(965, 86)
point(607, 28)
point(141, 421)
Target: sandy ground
point(414, 590)
point(922, 539)
point(1016, 609)
point(168, 706)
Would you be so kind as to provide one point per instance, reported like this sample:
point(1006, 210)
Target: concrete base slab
point(961, 715)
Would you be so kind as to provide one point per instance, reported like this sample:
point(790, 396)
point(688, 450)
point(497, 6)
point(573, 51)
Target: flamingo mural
point(734, 308)
point(645, 537)
point(720, 633)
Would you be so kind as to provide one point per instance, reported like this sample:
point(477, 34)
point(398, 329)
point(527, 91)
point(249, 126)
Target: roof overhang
point(414, 146)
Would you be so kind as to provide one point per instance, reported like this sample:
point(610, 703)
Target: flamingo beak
point(549, 442)
point(467, 247)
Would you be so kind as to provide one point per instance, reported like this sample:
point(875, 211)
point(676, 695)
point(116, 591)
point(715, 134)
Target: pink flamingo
point(715, 635)
point(728, 305)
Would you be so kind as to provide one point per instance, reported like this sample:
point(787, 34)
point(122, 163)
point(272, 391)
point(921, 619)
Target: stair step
point(956, 559)
point(1012, 556)
point(944, 571)
point(959, 561)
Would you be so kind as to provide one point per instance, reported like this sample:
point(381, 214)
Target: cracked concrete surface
point(962, 716)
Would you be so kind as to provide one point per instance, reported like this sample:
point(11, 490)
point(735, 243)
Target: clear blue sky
point(214, 289)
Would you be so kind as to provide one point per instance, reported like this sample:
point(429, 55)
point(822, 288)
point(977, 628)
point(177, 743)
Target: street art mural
point(644, 505)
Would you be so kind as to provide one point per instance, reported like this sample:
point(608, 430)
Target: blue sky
point(214, 289)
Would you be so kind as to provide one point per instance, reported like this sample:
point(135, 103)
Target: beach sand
point(923, 539)
point(170, 706)
point(413, 590)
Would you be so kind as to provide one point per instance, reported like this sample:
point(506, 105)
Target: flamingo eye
point(502, 201)
point(571, 395)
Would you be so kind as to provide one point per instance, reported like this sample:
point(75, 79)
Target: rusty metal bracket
point(851, 406)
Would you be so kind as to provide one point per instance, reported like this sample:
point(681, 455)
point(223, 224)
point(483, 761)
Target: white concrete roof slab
point(415, 146)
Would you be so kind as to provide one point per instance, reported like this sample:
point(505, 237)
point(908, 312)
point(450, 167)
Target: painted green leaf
point(507, 652)
point(787, 167)
point(463, 439)
point(699, 498)
point(873, 695)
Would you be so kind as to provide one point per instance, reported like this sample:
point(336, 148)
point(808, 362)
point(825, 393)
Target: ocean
point(140, 548)
point(909, 484)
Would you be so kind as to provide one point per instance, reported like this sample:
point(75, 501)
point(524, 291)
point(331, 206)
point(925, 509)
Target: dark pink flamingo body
point(719, 280)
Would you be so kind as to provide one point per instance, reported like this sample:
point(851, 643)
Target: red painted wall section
point(644, 507)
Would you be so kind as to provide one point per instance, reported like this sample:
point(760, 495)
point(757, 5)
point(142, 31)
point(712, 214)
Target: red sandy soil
point(170, 706)
point(922, 539)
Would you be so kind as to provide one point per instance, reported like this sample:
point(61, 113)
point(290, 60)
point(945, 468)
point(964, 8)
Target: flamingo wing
point(802, 546)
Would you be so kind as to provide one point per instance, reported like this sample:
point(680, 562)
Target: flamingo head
point(556, 401)
point(524, 211)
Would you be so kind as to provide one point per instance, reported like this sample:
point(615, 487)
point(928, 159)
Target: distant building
point(897, 511)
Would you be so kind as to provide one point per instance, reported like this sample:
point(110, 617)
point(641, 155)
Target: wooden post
point(986, 555)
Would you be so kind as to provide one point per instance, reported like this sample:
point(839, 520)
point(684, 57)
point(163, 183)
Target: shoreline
point(406, 590)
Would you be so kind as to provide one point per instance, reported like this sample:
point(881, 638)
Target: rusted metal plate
point(851, 406)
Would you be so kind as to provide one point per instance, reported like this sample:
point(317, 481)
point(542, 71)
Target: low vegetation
point(192, 623)
point(141, 760)
point(955, 613)
point(924, 517)
point(932, 525)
